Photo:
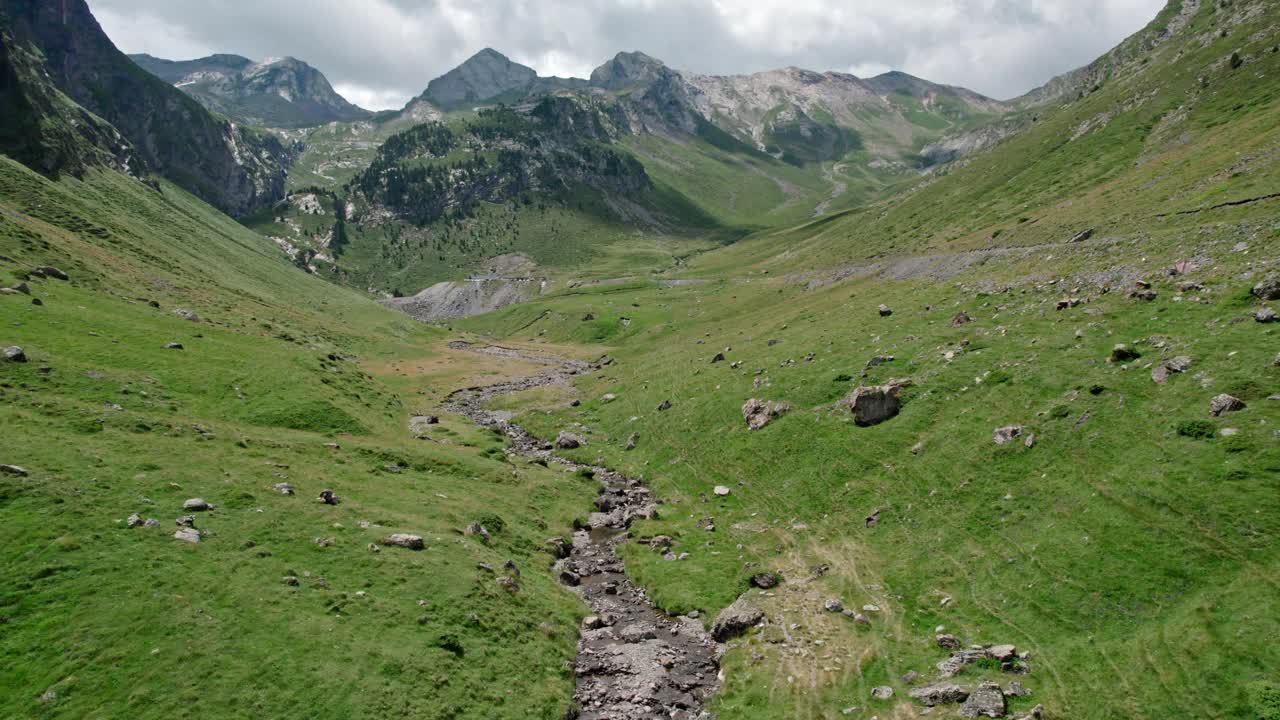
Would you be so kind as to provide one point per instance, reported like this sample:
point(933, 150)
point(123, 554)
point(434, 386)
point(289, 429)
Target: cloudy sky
point(379, 53)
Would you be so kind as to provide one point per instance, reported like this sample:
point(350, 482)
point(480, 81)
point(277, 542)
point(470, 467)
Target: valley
point(649, 394)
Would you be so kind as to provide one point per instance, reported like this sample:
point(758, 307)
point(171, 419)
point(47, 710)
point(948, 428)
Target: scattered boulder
point(196, 505)
point(885, 311)
point(873, 405)
point(186, 314)
point(759, 413)
point(174, 346)
point(283, 488)
point(53, 272)
point(21, 288)
point(1265, 315)
point(719, 358)
point(187, 534)
point(1016, 689)
point(328, 497)
point(735, 620)
point(1268, 288)
point(879, 360)
point(404, 540)
point(186, 521)
point(939, 694)
point(1225, 403)
point(721, 491)
point(568, 441)
point(1124, 353)
point(478, 530)
point(948, 642)
point(134, 520)
point(290, 580)
point(13, 470)
point(1142, 291)
point(1002, 653)
point(986, 701)
point(961, 318)
point(883, 692)
point(14, 354)
point(765, 580)
point(632, 440)
point(833, 605)
point(558, 547)
point(1160, 373)
point(664, 406)
point(508, 583)
point(1082, 235)
point(1005, 435)
point(151, 523)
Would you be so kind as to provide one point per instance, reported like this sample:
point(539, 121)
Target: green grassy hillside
point(101, 620)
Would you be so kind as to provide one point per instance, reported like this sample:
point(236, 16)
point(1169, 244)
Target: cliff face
point(233, 168)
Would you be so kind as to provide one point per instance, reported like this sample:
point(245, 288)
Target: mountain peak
point(488, 75)
point(628, 70)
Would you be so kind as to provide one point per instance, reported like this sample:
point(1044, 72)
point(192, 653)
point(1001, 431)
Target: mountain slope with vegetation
point(1002, 442)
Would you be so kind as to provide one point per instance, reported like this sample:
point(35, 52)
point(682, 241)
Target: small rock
point(328, 497)
point(290, 580)
point(13, 470)
point(948, 642)
point(186, 521)
point(961, 318)
point(568, 441)
point(631, 441)
point(1225, 403)
point(186, 314)
point(174, 346)
point(134, 520)
point(833, 605)
point(885, 311)
point(1016, 689)
point(719, 358)
point(187, 534)
point(508, 583)
point(1006, 435)
point(883, 692)
point(721, 491)
point(765, 580)
point(151, 523)
point(1123, 353)
point(664, 406)
point(283, 488)
point(1265, 315)
point(1002, 653)
point(53, 272)
point(1082, 235)
point(759, 413)
point(608, 398)
point(196, 505)
point(14, 354)
point(404, 540)
point(478, 530)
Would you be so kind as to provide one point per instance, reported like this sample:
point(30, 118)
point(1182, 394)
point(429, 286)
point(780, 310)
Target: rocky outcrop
point(233, 168)
point(874, 405)
point(759, 413)
point(986, 701)
point(449, 300)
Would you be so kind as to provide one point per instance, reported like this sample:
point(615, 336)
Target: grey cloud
point(391, 48)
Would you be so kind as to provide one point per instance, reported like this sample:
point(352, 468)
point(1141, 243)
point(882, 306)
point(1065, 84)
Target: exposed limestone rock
point(568, 441)
point(1225, 403)
point(404, 540)
point(940, 693)
point(874, 405)
point(1005, 435)
point(759, 413)
point(986, 701)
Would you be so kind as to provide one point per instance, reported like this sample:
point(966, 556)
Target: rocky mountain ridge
point(279, 92)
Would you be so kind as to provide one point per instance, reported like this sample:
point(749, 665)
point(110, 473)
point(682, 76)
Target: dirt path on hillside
point(633, 660)
point(838, 189)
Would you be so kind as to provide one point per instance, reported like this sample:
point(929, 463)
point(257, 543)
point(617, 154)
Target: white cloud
point(379, 51)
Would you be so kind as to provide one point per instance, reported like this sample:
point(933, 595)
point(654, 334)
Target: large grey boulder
point(735, 620)
point(14, 354)
point(986, 701)
point(939, 693)
point(187, 534)
point(196, 505)
point(1268, 288)
point(404, 540)
point(873, 405)
point(1225, 403)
